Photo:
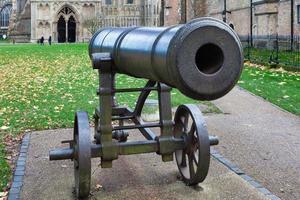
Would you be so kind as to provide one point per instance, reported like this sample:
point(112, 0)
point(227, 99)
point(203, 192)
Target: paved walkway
point(263, 140)
point(132, 177)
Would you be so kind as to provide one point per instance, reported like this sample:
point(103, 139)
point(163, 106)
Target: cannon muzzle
point(203, 58)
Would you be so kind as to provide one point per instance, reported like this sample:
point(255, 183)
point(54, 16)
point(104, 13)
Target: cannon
point(203, 59)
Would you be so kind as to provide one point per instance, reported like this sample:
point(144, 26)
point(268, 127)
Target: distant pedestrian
point(50, 40)
point(42, 40)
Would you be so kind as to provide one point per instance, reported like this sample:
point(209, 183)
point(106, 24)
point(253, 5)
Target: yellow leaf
point(281, 83)
point(4, 127)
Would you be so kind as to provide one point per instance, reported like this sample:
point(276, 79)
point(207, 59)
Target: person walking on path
point(42, 40)
point(50, 40)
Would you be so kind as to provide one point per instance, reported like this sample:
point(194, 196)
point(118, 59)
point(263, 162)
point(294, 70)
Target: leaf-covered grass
point(41, 87)
point(4, 169)
point(279, 87)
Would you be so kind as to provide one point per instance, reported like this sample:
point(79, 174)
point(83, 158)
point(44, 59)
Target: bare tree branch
point(93, 24)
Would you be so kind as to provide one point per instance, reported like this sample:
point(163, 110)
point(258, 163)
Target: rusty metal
point(167, 57)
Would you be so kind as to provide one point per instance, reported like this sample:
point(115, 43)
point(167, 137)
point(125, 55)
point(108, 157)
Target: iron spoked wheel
point(192, 161)
point(82, 158)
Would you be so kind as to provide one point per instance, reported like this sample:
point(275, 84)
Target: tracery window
point(108, 2)
point(298, 13)
point(66, 11)
point(5, 15)
point(4, 2)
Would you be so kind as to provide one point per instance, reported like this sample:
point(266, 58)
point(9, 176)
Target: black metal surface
point(149, 125)
point(192, 161)
point(61, 154)
point(125, 148)
point(203, 58)
point(192, 57)
point(147, 132)
point(165, 119)
point(142, 98)
point(135, 89)
point(82, 155)
point(120, 135)
point(213, 140)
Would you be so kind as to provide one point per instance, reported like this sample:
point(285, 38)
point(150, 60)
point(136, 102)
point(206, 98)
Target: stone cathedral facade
point(65, 20)
point(261, 17)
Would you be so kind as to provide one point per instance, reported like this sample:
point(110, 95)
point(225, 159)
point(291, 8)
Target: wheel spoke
point(191, 167)
point(183, 161)
point(182, 119)
point(191, 132)
point(186, 122)
point(195, 159)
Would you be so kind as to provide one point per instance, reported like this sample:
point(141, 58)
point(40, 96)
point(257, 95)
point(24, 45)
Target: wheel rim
point(82, 160)
point(192, 161)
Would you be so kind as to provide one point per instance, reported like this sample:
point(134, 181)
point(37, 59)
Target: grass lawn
point(4, 41)
point(42, 86)
point(4, 168)
point(280, 88)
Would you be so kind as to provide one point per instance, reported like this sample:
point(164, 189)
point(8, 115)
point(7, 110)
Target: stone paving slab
point(132, 177)
point(262, 139)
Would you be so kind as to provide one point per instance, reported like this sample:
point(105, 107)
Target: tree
point(93, 24)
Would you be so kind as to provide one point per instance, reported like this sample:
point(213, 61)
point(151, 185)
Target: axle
point(128, 148)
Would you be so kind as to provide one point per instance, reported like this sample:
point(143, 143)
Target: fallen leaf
point(98, 187)
point(8, 157)
point(3, 194)
point(281, 83)
point(4, 127)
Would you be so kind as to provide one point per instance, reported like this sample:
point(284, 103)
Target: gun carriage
point(203, 59)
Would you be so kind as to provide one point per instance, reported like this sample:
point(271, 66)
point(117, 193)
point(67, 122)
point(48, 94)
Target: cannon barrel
point(203, 58)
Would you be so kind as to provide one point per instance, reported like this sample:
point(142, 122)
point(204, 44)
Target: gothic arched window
point(5, 15)
point(4, 2)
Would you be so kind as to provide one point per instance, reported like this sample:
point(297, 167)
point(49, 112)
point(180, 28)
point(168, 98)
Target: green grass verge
point(280, 88)
point(42, 86)
point(4, 41)
point(4, 169)
point(290, 60)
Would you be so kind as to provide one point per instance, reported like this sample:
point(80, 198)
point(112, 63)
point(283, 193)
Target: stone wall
point(174, 12)
point(20, 23)
point(141, 13)
point(3, 3)
point(270, 17)
point(284, 17)
point(40, 17)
